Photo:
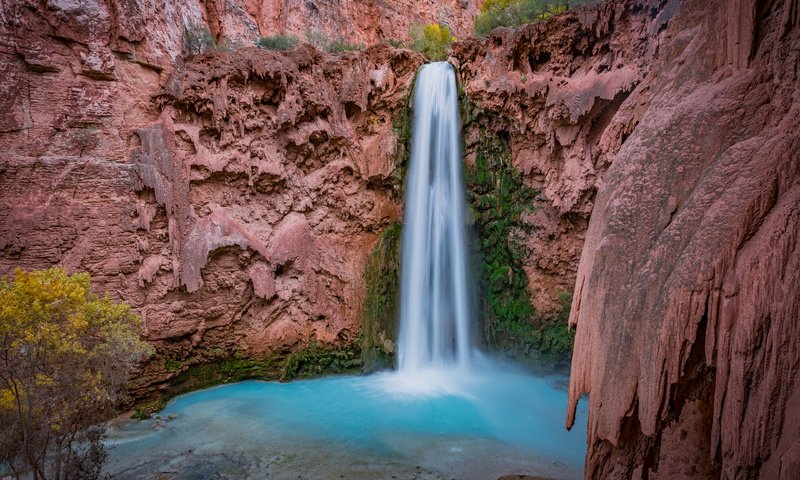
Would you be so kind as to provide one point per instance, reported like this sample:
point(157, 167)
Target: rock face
point(688, 291)
point(555, 89)
point(354, 21)
point(232, 199)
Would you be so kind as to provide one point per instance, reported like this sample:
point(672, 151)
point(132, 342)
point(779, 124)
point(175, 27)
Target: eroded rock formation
point(231, 199)
point(355, 21)
point(688, 292)
point(555, 89)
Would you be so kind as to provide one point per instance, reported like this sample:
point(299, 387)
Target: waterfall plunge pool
point(436, 424)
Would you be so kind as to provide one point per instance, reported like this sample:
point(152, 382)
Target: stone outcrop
point(683, 117)
point(558, 92)
point(231, 198)
point(688, 292)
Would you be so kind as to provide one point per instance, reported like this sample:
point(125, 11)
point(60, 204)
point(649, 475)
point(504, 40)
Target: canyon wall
point(688, 291)
point(674, 124)
point(363, 22)
point(557, 92)
point(232, 198)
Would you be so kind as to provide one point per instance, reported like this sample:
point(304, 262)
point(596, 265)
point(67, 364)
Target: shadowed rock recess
point(233, 198)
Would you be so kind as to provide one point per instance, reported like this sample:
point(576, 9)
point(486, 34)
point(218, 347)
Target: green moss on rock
point(308, 362)
point(499, 201)
point(381, 304)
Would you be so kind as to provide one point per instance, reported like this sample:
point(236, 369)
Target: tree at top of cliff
point(433, 40)
point(65, 355)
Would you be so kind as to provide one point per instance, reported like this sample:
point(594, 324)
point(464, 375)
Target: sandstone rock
point(559, 91)
point(355, 21)
point(231, 199)
point(687, 295)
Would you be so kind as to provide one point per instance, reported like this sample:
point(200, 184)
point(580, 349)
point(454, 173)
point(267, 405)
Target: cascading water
point(435, 316)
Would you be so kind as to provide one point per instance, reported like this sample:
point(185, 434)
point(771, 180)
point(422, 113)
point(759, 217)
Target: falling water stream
point(435, 316)
point(447, 412)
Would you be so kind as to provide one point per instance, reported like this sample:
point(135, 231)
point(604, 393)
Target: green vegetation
point(340, 45)
point(513, 13)
point(311, 361)
point(171, 365)
point(381, 305)
point(401, 126)
point(315, 361)
point(66, 356)
point(197, 39)
point(499, 199)
point(322, 42)
point(277, 42)
point(393, 42)
point(432, 40)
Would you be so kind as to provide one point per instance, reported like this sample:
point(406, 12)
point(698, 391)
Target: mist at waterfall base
point(448, 411)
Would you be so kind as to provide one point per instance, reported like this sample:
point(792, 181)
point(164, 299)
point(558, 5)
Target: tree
point(65, 357)
point(432, 40)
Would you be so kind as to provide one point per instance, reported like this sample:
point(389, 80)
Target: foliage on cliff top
point(66, 356)
point(432, 40)
point(336, 45)
point(513, 13)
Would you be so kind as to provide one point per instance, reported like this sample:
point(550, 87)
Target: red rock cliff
point(687, 296)
point(231, 199)
point(558, 90)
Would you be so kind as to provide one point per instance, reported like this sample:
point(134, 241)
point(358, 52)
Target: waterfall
point(435, 312)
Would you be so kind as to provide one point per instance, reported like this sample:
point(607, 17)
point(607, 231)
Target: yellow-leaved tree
point(65, 357)
point(433, 40)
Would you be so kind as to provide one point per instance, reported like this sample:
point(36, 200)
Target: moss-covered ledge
point(312, 361)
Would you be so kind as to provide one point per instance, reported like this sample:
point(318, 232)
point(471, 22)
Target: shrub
point(513, 13)
point(317, 38)
point(277, 42)
point(340, 45)
point(432, 40)
point(393, 42)
point(65, 357)
point(197, 39)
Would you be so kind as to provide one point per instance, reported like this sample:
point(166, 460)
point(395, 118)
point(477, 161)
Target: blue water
point(492, 422)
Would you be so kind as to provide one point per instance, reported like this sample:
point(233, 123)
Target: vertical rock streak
point(693, 247)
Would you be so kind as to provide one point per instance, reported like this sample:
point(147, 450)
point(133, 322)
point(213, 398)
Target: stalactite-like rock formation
point(687, 301)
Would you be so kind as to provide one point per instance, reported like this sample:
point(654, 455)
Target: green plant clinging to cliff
point(277, 42)
point(499, 200)
point(513, 13)
point(381, 304)
point(339, 45)
point(197, 39)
